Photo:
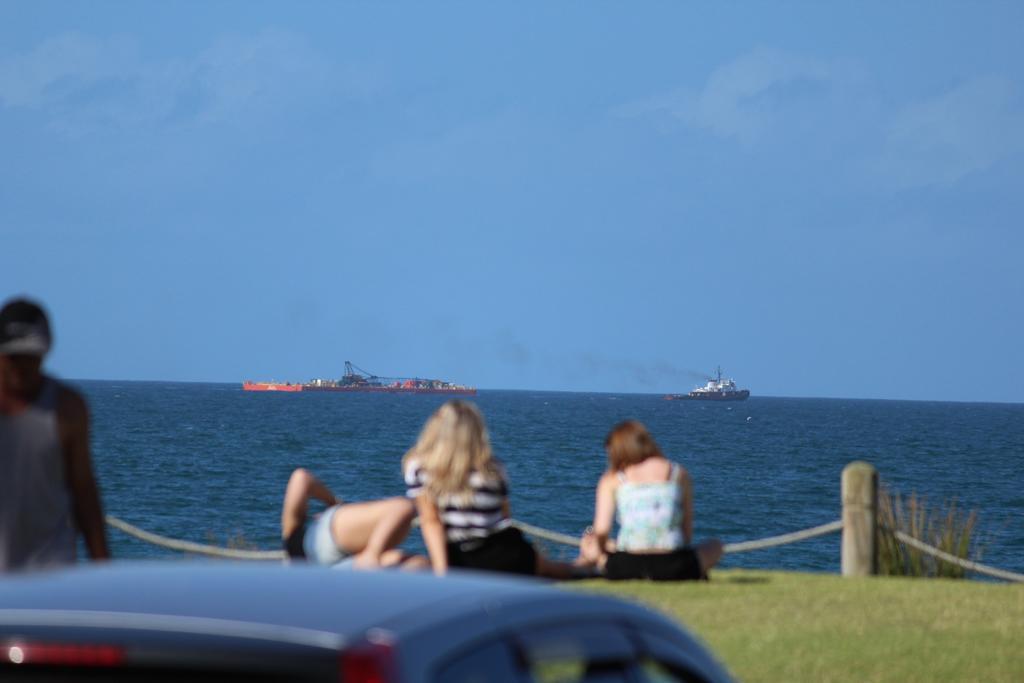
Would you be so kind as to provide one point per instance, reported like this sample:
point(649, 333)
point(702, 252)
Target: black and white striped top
point(479, 516)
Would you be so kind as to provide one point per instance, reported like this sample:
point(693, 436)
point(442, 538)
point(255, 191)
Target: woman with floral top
point(652, 499)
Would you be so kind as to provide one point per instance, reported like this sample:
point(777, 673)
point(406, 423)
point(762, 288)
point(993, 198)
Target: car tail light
point(369, 662)
point(62, 654)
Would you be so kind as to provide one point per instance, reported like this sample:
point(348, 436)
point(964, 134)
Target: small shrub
point(950, 530)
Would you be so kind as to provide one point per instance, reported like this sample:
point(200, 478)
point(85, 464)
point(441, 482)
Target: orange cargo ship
point(356, 380)
point(270, 386)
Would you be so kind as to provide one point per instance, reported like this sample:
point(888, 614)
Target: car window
point(590, 653)
point(494, 662)
point(558, 653)
point(663, 660)
point(577, 671)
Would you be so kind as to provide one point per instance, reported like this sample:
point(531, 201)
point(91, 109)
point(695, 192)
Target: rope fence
point(566, 539)
point(960, 562)
point(536, 531)
point(546, 534)
point(784, 539)
point(190, 547)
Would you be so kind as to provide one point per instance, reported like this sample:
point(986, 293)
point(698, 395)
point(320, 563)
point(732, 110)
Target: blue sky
point(572, 196)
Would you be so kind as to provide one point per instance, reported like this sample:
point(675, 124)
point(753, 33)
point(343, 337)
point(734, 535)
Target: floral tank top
point(650, 514)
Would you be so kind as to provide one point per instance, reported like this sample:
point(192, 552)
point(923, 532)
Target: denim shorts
point(318, 544)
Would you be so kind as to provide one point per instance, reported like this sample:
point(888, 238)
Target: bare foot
point(415, 563)
point(391, 558)
point(366, 561)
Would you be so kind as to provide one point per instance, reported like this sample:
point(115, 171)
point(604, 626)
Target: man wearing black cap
point(47, 488)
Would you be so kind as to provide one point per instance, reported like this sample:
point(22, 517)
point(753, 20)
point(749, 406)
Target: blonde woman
point(461, 494)
point(652, 497)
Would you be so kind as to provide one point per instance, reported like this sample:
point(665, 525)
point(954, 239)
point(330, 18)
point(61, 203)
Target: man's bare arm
point(73, 423)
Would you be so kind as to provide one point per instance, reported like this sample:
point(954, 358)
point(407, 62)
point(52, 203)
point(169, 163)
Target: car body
point(221, 621)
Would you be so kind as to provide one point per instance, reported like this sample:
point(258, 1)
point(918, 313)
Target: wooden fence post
point(860, 519)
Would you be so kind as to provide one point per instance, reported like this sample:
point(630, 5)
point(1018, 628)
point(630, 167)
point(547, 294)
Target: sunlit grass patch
point(782, 626)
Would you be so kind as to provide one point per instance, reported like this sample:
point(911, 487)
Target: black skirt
point(678, 565)
point(505, 551)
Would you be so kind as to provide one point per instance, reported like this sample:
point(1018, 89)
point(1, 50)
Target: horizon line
point(608, 392)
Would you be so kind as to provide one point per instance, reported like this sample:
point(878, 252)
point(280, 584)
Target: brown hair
point(628, 443)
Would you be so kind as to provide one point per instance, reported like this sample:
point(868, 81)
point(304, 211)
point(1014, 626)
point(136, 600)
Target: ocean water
point(209, 462)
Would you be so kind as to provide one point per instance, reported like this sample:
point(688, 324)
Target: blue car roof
point(315, 599)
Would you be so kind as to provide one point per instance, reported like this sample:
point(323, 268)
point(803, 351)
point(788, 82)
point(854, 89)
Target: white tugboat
point(716, 389)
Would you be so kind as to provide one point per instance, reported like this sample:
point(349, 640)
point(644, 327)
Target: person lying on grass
point(359, 535)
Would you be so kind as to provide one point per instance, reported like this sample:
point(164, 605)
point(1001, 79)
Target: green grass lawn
point(782, 626)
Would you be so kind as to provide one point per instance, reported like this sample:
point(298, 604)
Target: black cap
point(24, 329)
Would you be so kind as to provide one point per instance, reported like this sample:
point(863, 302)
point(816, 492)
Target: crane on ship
point(355, 376)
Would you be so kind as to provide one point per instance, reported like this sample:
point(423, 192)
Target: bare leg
point(416, 563)
point(390, 558)
point(302, 486)
point(369, 529)
point(709, 552)
point(296, 501)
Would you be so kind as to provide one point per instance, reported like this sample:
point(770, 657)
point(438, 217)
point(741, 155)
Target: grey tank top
point(36, 526)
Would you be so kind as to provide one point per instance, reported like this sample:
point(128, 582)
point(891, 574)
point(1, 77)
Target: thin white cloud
point(768, 94)
point(39, 75)
point(744, 98)
point(264, 70)
point(942, 139)
point(737, 102)
point(81, 81)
